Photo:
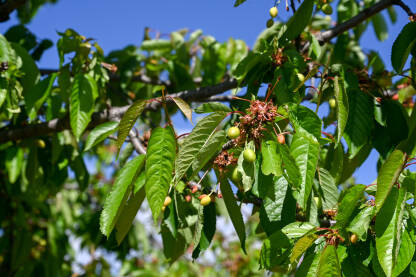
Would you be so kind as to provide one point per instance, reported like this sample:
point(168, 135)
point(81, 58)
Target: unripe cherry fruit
point(281, 139)
point(233, 132)
point(249, 155)
point(269, 23)
point(273, 11)
point(205, 200)
point(332, 103)
point(353, 238)
point(236, 176)
point(40, 143)
point(168, 200)
point(327, 9)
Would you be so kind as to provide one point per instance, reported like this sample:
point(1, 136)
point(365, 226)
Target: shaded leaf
point(402, 46)
point(348, 204)
point(99, 133)
point(328, 263)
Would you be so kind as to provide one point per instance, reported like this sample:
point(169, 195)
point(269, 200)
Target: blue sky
point(115, 24)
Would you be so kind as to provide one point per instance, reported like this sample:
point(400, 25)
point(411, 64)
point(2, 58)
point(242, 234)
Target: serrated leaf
point(359, 225)
point(184, 107)
point(38, 95)
point(128, 214)
point(238, 2)
point(388, 230)
point(301, 246)
point(402, 46)
point(160, 157)
point(128, 120)
point(298, 21)
point(212, 146)
point(388, 175)
point(99, 133)
point(274, 198)
point(271, 257)
point(342, 106)
point(309, 265)
point(233, 210)
point(193, 143)
point(328, 189)
point(304, 119)
point(406, 252)
point(360, 121)
point(81, 106)
point(290, 166)
point(328, 263)
point(115, 201)
point(247, 169)
point(156, 44)
point(305, 149)
point(297, 229)
point(348, 204)
point(212, 107)
point(272, 161)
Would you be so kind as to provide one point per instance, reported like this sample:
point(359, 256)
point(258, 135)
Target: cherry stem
point(410, 164)
point(181, 135)
point(270, 90)
point(239, 98)
point(233, 112)
point(328, 135)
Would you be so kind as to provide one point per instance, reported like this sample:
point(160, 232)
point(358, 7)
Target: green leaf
point(156, 44)
point(305, 149)
point(305, 119)
point(37, 96)
point(14, 161)
point(81, 106)
point(392, 14)
point(406, 252)
point(208, 150)
point(342, 106)
point(196, 141)
point(298, 21)
point(274, 198)
point(160, 157)
point(297, 229)
point(380, 26)
point(233, 210)
point(309, 265)
point(238, 2)
point(301, 246)
point(212, 107)
point(348, 204)
point(388, 230)
point(290, 166)
point(29, 68)
point(272, 161)
point(99, 133)
point(360, 121)
point(328, 263)
point(116, 200)
point(184, 107)
point(388, 175)
point(247, 169)
point(271, 252)
point(328, 189)
point(128, 214)
point(402, 46)
point(128, 120)
point(359, 225)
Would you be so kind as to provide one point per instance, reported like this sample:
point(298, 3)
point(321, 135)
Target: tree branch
point(136, 143)
point(405, 7)
point(8, 7)
point(112, 114)
point(326, 36)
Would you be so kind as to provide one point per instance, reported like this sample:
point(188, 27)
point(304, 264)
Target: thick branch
point(8, 7)
point(406, 8)
point(112, 114)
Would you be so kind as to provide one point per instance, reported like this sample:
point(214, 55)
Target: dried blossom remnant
point(278, 57)
point(262, 111)
point(224, 159)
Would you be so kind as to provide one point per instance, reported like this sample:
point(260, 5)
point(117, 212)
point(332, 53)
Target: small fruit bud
point(353, 238)
point(273, 11)
point(327, 9)
point(236, 176)
point(332, 103)
point(201, 196)
point(281, 139)
point(205, 200)
point(249, 155)
point(168, 200)
point(194, 189)
point(269, 23)
point(233, 132)
point(188, 198)
point(219, 195)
